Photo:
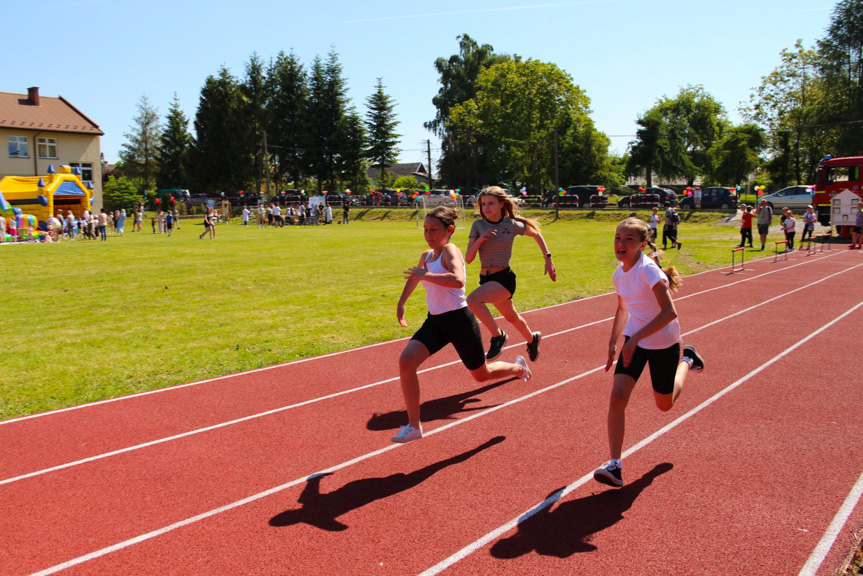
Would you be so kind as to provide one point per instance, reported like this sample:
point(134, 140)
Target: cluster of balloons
point(760, 189)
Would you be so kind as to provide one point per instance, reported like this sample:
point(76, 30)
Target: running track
point(289, 470)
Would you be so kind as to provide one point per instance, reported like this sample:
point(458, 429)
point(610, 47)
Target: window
point(86, 170)
point(18, 147)
point(47, 148)
point(843, 174)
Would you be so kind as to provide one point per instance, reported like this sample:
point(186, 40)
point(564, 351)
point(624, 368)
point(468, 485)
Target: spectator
point(103, 225)
point(789, 227)
point(809, 219)
point(328, 214)
point(763, 218)
point(121, 221)
point(3, 228)
point(696, 196)
point(176, 219)
point(669, 229)
point(246, 215)
point(346, 211)
point(857, 231)
point(654, 224)
point(169, 223)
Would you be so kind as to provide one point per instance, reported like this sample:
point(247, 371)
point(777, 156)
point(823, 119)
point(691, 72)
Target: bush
point(120, 193)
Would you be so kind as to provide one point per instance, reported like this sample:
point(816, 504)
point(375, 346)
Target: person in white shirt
point(246, 215)
point(648, 320)
point(789, 227)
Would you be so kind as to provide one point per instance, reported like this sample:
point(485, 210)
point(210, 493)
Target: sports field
point(84, 320)
point(288, 469)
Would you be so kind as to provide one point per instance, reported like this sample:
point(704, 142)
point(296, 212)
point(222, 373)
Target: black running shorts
point(458, 327)
point(663, 366)
point(505, 278)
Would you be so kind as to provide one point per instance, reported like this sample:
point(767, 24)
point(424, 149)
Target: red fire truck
point(836, 175)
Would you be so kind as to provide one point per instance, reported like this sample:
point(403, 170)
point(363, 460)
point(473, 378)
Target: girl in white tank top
point(441, 270)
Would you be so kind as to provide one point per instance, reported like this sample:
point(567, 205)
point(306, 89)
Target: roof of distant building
point(51, 115)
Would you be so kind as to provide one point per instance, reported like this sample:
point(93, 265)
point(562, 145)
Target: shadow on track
point(440, 409)
point(321, 510)
point(568, 528)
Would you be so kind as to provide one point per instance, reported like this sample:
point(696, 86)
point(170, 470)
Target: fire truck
point(835, 175)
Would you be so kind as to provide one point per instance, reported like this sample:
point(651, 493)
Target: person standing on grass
point(103, 225)
point(121, 221)
point(809, 219)
point(789, 225)
point(245, 215)
point(857, 230)
point(648, 320)
point(346, 211)
point(669, 227)
point(169, 223)
point(746, 226)
point(492, 236)
point(654, 223)
point(763, 218)
point(442, 272)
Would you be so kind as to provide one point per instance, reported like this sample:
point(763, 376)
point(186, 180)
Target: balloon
point(428, 192)
point(325, 192)
point(349, 192)
point(158, 201)
point(640, 189)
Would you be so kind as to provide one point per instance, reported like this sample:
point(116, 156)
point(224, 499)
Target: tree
point(220, 160)
point(253, 118)
point(381, 138)
point(646, 149)
point(140, 152)
point(174, 146)
point(463, 153)
point(287, 110)
point(120, 193)
point(790, 104)
point(841, 63)
point(409, 182)
point(736, 154)
point(327, 106)
point(352, 163)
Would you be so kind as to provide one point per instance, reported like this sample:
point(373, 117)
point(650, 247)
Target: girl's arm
point(620, 317)
point(549, 264)
point(454, 278)
point(410, 285)
point(474, 243)
point(666, 314)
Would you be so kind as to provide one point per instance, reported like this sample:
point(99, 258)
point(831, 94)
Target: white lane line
point(361, 348)
point(360, 388)
point(504, 528)
point(820, 553)
point(276, 489)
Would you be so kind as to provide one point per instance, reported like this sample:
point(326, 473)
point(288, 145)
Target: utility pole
point(556, 180)
point(266, 161)
point(428, 154)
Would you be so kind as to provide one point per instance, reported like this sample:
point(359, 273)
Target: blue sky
point(103, 55)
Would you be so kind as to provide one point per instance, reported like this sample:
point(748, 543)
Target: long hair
point(510, 210)
point(640, 226)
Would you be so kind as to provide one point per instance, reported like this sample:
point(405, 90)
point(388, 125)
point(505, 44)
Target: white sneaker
point(407, 433)
point(525, 375)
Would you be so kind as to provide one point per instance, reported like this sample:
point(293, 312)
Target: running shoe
point(697, 360)
point(533, 346)
point(497, 344)
point(525, 374)
point(407, 433)
point(609, 474)
point(679, 245)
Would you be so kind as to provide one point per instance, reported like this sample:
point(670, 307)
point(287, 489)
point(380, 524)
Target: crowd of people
point(301, 215)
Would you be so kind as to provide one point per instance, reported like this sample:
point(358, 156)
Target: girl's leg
point(477, 300)
point(497, 371)
point(414, 354)
point(507, 309)
point(620, 392)
point(665, 401)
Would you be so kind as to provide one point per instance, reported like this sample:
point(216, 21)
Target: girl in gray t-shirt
point(492, 237)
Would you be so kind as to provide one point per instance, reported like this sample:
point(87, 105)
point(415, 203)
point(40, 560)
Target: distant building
point(39, 131)
point(415, 169)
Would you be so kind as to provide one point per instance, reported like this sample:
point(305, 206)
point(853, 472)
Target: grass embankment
point(85, 320)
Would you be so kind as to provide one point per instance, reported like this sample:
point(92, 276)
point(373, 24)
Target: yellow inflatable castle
point(42, 196)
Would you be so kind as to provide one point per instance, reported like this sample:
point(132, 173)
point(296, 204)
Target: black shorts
point(457, 327)
point(663, 366)
point(505, 278)
point(763, 229)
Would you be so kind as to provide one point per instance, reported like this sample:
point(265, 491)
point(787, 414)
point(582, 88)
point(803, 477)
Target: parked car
point(713, 197)
point(794, 197)
point(574, 197)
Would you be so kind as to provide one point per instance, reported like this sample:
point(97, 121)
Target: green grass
point(84, 320)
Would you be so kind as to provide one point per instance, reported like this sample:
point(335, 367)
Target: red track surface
point(747, 483)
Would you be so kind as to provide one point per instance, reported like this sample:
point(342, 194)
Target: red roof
point(52, 114)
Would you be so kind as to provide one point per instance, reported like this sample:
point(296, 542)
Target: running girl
point(442, 273)
point(492, 236)
point(647, 317)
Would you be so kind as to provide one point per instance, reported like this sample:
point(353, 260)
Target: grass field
point(85, 320)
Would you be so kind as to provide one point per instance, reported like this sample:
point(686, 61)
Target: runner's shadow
point(439, 409)
point(568, 529)
point(322, 510)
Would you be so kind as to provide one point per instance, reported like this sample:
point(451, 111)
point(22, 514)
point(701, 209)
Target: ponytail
point(674, 279)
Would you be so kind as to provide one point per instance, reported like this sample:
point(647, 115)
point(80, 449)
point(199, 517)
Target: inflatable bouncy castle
point(42, 196)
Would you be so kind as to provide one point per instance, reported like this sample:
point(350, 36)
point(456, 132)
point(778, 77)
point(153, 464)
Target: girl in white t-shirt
point(442, 273)
point(654, 223)
point(789, 227)
point(648, 320)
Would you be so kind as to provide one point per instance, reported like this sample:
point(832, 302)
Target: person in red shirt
point(746, 226)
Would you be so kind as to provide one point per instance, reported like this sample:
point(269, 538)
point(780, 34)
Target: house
point(41, 131)
point(394, 171)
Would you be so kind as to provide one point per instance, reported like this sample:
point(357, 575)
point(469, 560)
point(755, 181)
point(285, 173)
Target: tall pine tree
point(287, 122)
point(140, 152)
point(327, 106)
point(253, 117)
point(174, 147)
point(381, 139)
